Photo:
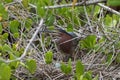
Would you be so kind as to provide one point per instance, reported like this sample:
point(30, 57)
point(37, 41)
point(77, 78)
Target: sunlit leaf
point(7, 48)
point(109, 22)
point(3, 12)
point(16, 35)
point(79, 69)
point(97, 10)
point(5, 36)
point(31, 65)
point(49, 57)
point(14, 26)
point(5, 72)
point(40, 8)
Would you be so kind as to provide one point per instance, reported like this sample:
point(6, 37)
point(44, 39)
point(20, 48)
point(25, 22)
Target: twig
point(90, 26)
point(77, 4)
point(108, 9)
point(60, 75)
point(101, 76)
point(70, 5)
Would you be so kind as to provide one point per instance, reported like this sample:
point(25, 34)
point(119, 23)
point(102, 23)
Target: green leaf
point(88, 75)
point(40, 8)
point(3, 12)
point(5, 36)
point(28, 24)
point(79, 69)
point(8, 1)
point(97, 10)
point(0, 28)
point(1, 60)
point(69, 67)
point(5, 72)
point(1, 48)
point(63, 67)
point(50, 20)
point(118, 58)
point(109, 58)
point(113, 2)
point(31, 65)
point(96, 78)
point(108, 21)
point(25, 3)
point(81, 78)
point(13, 64)
point(115, 17)
point(66, 68)
point(51, 28)
point(23, 64)
point(89, 42)
point(49, 57)
point(16, 35)
point(70, 28)
point(47, 2)
point(7, 48)
point(14, 26)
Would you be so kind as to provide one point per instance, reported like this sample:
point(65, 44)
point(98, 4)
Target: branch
point(109, 9)
point(77, 4)
point(28, 45)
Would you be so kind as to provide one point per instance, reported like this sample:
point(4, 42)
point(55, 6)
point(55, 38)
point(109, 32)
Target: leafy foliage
point(89, 42)
point(81, 74)
point(66, 68)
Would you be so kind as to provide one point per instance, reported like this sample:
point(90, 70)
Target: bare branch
point(77, 4)
point(109, 9)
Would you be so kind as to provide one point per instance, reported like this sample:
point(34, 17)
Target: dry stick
point(34, 35)
point(60, 75)
point(77, 4)
point(90, 26)
point(28, 45)
point(45, 73)
point(101, 76)
point(108, 9)
point(97, 56)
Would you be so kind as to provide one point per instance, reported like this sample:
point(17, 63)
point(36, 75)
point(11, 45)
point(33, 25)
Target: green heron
point(66, 43)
